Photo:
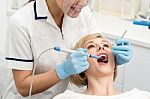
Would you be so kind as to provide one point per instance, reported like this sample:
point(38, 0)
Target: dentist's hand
point(122, 51)
point(74, 64)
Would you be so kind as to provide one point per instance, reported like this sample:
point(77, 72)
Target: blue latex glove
point(122, 51)
point(74, 64)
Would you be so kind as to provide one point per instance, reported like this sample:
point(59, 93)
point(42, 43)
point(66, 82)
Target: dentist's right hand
point(74, 64)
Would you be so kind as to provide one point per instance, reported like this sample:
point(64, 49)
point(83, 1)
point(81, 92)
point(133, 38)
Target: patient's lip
point(76, 9)
point(98, 54)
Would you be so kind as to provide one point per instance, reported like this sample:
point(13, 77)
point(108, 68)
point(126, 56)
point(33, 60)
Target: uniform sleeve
point(18, 47)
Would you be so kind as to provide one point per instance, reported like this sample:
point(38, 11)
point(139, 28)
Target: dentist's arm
point(74, 64)
point(41, 82)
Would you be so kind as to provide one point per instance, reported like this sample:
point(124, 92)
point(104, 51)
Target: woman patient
point(100, 76)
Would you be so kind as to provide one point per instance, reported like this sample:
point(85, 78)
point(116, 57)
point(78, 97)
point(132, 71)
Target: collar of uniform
point(40, 9)
point(41, 12)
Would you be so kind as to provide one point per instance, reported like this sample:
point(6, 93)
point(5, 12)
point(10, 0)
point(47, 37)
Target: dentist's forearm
point(41, 82)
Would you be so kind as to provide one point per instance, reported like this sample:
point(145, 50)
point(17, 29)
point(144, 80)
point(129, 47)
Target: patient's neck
point(102, 86)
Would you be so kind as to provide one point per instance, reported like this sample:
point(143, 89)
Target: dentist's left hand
point(122, 51)
point(74, 64)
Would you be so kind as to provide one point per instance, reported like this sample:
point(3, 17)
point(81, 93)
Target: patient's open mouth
point(103, 58)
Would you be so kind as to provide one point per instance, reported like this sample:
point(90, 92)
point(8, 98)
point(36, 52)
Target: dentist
point(34, 29)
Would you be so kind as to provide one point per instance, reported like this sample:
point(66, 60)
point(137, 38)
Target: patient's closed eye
point(106, 45)
point(91, 46)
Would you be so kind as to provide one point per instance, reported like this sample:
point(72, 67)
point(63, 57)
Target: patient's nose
point(101, 48)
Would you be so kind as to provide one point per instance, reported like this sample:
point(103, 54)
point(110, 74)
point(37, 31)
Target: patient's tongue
point(102, 59)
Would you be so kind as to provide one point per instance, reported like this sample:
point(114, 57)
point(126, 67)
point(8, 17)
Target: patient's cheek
point(112, 59)
point(90, 60)
point(92, 51)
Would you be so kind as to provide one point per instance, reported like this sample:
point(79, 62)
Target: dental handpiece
point(72, 51)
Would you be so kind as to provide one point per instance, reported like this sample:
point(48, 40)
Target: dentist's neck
point(55, 11)
point(101, 87)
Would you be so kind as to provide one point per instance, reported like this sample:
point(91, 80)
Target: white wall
point(145, 5)
point(138, 70)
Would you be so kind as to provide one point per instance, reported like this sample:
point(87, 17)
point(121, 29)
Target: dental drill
point(99, 58)
point(73, 51)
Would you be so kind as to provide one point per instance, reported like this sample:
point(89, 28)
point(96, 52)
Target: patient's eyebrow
point(89, 42)
point(101, 41)
point(105, 41)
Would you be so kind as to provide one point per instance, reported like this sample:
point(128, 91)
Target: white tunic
point(31, 31)
point(133, 94)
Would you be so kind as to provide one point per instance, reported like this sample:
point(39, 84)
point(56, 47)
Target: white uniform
point(133, 94)
point(31, 31)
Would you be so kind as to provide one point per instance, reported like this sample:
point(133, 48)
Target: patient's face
point(100, 46)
